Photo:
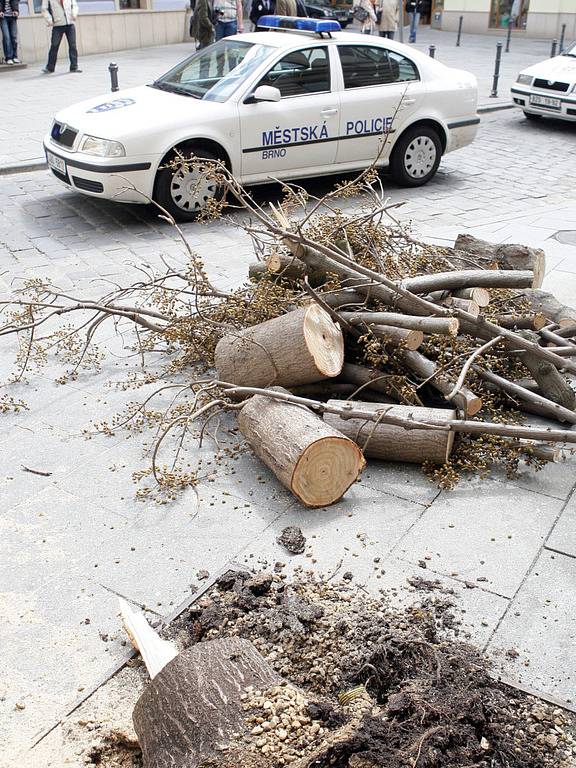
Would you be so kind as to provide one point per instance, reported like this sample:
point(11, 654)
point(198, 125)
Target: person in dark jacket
point(413, 9)
point(260, 8)
point(9, 22)
point(201, 26)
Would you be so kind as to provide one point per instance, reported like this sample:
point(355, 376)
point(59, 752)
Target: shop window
point(504, 11)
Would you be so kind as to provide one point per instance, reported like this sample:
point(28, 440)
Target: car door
point(381, 90)
point(299, 132)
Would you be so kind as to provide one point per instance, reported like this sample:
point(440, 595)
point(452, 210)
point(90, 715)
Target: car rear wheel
point(186, 191)
point(416, 156)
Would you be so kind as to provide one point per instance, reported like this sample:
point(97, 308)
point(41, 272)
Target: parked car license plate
point(56, 162)
point(545, 101)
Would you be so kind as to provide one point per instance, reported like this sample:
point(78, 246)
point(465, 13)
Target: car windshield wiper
point(171, 88)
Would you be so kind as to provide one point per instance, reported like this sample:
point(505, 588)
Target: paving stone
point(474, 530)
point(540, 626)
point(404, 480)
point(563, 535)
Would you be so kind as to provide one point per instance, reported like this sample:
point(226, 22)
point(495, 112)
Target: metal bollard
point(460, 22)
point(562, 35)
point(509, 35)
point(432, 51)
point(113, 69)
point(494, 93)
point(554, 46)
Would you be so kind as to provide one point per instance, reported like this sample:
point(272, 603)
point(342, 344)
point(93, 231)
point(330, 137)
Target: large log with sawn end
point(393, 443)
point(300, 347)
point(187, 714)
point(314, 461)
point(505, 255)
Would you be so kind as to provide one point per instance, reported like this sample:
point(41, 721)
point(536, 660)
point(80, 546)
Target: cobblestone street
point(73, 540)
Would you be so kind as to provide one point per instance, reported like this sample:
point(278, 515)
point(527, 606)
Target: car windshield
point(571, 51)
point(215, 72)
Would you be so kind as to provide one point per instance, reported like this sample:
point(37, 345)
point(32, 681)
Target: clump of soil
point(433, 703)
point(292, 539)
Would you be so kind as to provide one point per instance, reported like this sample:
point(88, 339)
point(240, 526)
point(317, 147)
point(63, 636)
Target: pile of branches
point(351, 339)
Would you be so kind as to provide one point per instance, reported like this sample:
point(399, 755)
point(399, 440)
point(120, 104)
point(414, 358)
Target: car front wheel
point(185, 190)
point(416, 156)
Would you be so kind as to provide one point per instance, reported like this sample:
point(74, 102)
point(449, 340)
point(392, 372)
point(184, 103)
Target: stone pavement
point(73, 540)
point(30, 99)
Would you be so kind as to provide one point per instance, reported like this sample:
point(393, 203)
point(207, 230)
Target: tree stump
point(393, 443)
point(189, 711)
point(314, 461)
point(300, 347)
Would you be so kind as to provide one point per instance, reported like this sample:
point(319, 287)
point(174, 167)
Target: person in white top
point(387, 18)
point(61, 15)
point(228, 18)
point(364, 12)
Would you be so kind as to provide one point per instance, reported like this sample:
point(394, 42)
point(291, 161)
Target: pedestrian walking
point(201, 26)
point(61, 15)
point(365, 13)
point(387, 18)
point(228, 18)
point(9, 22)
point(413, 9)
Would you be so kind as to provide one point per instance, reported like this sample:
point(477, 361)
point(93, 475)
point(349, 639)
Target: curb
point(487, 108)
point(39, 164)
point(27, 166)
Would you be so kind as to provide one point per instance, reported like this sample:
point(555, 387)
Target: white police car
point(284, 104)
point(548, 88)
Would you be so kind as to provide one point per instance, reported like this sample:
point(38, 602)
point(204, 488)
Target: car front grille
point(62, 134)
point(88, 185)
point(550, 85)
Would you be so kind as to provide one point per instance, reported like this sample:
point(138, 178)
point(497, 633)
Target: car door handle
point(329, 112)
point(407, 102)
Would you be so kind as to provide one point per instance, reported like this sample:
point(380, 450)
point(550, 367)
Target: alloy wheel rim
point(191, 189)
point(420, 157)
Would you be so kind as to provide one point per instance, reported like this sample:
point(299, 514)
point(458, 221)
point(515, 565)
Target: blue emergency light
point(317, 26)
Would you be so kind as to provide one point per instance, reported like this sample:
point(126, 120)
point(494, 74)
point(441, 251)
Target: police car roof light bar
point(297, 24)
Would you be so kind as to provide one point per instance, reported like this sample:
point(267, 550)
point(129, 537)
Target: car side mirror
point(265, 93)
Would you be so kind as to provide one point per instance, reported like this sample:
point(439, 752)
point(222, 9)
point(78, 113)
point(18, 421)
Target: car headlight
point(524, 79)
point(92, 145)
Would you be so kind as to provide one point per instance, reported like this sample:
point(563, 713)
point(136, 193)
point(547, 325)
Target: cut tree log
point(187, 714)
point(467, 305)
point(549, 306)
point(480, 295)
point(466, 401)
point(370, 379)
point(443, 325)
point(315, 462)
point(393, 443)
point(504, 256)
point(567, 331)
point(534, 321)
point(550, 381)
point(468, 278)
point(300, 347)
point(409, 339)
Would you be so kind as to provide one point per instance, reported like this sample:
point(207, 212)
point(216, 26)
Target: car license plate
point(545, 101)
point(56, 162)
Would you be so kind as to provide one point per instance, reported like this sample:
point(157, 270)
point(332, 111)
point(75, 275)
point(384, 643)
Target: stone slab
point(563, 535)
point(473, 531)
point(540, 626)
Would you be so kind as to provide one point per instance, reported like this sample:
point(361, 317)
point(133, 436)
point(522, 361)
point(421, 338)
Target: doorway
point(502, 11)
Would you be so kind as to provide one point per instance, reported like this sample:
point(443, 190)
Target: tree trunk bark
point(519, 322)
point(190, 710)
point(466, 401)
point(550, 307)
point(468, 278)
point(393, 443)
point(467, 305)
point(443, 325)
point(370, 379)
point(300, 347)
point(315, 462)
point(504, 256)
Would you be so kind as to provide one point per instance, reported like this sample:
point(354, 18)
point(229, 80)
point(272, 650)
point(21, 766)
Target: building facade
point(534, 18)
point(107, 25)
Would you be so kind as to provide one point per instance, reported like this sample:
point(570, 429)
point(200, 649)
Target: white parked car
point(274, 104)
point(548, 88)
